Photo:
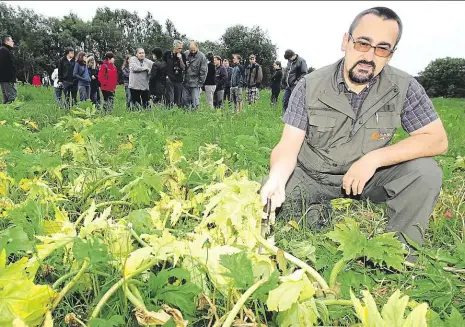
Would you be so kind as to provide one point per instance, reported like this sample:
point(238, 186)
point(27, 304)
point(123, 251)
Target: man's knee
point(430, 174)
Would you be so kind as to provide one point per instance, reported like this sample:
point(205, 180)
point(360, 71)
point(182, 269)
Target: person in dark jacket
point(65, 76)
point(296, 69)
point(125, 70)
point(276, 82)
point(94, 83)
point(175, 68)
point(210, 84)
point(253, 79)
point(158, 78)
point(227, 87)
point(237, 81)
point(221, 79)
point(81, 73)
point(108, 78)
point(7, 70)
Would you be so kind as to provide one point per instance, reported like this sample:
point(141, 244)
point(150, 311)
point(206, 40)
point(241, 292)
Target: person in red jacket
point(108, 78)
point(36, 80)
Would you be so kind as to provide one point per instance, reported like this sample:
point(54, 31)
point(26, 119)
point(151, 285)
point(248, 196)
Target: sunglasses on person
point(365, 46)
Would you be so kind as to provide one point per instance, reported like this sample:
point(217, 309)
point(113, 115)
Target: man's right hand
point(274, 190)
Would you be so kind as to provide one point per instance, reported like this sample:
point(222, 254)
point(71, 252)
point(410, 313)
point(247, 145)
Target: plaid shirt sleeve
point(296, 113)
point(418, 109)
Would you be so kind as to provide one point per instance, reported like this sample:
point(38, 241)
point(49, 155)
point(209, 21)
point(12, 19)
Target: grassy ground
point(246, 140)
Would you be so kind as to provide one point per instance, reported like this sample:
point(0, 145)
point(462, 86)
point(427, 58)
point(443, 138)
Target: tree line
point(41, 41)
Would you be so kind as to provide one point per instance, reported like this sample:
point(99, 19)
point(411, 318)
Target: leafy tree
point(444, 77)
point(245, 41)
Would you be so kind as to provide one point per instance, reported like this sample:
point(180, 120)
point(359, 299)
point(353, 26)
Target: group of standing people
point(83, 74)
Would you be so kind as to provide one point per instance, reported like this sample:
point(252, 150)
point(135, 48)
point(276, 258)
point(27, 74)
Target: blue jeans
point(286, 96)
point(58, 93)
point(191, 97)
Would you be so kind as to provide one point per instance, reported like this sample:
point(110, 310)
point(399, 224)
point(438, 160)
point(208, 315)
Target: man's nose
point(369, 55)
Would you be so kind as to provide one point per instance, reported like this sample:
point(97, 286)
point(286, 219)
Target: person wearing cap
point(253, 79)
point(296, 69)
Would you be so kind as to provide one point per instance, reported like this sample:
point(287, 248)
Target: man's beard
point(354, 77)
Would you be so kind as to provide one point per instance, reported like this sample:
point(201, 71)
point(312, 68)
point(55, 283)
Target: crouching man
point(338, 126)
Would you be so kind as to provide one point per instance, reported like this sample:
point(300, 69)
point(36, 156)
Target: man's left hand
point(359, 174)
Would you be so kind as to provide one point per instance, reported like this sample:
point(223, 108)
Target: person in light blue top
point(81, 73)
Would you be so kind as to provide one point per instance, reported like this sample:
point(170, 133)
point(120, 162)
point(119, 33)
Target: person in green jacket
point(338, 126)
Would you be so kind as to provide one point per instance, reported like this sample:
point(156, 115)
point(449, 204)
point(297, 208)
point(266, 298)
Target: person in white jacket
point(58, 88)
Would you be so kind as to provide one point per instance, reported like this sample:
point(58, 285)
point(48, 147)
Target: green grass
point(246, 140)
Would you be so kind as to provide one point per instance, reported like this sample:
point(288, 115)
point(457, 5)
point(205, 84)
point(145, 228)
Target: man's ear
point(345, 40)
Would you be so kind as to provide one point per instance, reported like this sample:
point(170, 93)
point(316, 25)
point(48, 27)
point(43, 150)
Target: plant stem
point(295, 261)
point(70, 285)
point(336, 302)
point(335, 272)
point(109, 203)
point(63, 278)
point(96, 186)
point(120, 283)
point(237, 307)
point(448, 269)
point(137, 237)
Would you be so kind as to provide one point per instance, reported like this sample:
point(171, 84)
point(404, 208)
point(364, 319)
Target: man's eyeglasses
point(365, 46)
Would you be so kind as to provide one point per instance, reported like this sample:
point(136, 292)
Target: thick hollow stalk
point(237, 307)
point(312, 272)
point(120, 283)
point(336, 302)
point(63, 278)
point(70, 285)
point(335, 272)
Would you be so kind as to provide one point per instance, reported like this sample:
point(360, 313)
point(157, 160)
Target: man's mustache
point(364, 62)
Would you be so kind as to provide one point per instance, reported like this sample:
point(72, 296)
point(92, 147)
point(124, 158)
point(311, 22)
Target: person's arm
point(427, 138)
point(134, 67)
point(224, 76)
point(153, 73)
point(75, 73)
point(182, 62)
point(60, 71)
point(283, 158)
point(101, 76)
point(259, 79)
point(203, 70)
point(303, 68)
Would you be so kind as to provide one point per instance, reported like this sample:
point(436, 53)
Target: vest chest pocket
point(320, 130)
point(379, 130)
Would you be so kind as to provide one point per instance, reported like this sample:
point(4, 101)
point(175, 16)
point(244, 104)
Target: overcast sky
point(313, 29)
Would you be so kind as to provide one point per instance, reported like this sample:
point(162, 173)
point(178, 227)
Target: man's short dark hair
point(210, 56)
point(6, 38)
point(288, 54)
point(109, 55)
point(68, 50)
point(252, 56)
point(158, 52)
point(382, 12)
point(238, 56)
point(277, 62)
